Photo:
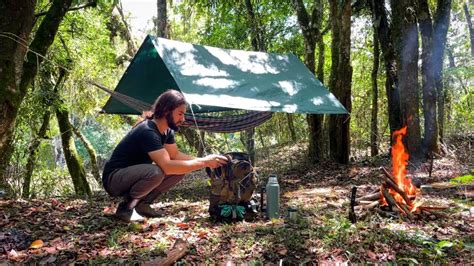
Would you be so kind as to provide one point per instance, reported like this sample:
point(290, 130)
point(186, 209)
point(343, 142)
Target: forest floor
point(85, 231)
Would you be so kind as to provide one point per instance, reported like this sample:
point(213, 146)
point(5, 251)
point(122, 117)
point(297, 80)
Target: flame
point(399, 162)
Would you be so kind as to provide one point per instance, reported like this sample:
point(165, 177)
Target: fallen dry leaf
point(202, 234)
point(37, 244)
point(371, 255)
point(182, 225)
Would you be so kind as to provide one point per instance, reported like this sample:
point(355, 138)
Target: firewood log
point(179, 249)
point(389, 180)
point(367, 206)
point(368, 197)
point(396, 204)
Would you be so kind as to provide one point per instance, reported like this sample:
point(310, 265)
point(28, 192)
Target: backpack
point(232, 188)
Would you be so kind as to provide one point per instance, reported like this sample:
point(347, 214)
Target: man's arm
point(176, 167)
point(175, 154)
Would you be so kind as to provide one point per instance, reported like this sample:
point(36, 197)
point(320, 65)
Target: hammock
point(224, 124)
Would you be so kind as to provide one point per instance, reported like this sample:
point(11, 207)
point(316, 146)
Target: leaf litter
point(68, 230)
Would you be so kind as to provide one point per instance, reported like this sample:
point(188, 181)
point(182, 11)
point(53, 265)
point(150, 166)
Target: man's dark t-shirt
point(134, 147)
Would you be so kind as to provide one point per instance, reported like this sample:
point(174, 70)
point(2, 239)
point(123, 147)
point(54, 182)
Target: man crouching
point(147, 162)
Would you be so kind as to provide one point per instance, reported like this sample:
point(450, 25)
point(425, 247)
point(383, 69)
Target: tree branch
point(90, 4)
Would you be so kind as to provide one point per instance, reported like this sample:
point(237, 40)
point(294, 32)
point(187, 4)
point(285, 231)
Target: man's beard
point(171, 123)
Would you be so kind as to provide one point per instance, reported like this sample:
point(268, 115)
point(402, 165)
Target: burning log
point(393, 203)
point(397, 190)
point(389, 180)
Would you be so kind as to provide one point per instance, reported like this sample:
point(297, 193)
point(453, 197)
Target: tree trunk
point(447, 98)
point(323, 137)
point(250, 143)
point(406, 38)
point(92, 154)
point(320, 70)
point(291, 127)
point(126, 32)
point(441, 25)
point(374, 149)
point(384, 32)
point(16, 75)
point(341, 79)
point(258, 39)
point(258, 44)
point(202, 151)
point(161, 19)
point(193, 138)
point(33, 152)
point(11, 65)
point(73, 161)
point(33, 148)
point(310, 27)
point(430, 141)
point(469, 24)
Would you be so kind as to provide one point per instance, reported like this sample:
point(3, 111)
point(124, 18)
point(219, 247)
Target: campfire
point(397, 194)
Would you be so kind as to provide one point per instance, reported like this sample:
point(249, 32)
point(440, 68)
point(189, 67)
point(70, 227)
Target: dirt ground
point(85, 231)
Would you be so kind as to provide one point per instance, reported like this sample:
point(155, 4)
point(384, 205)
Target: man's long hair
point(167, 102)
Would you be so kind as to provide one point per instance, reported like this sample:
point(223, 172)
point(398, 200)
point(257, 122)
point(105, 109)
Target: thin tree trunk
point(441, 25)
point(161, 19)
point(33, 153)
point(384, 32)
point(260, 135)
point(469, 23)
point(374, 149)
point(447, 96)
point(193, 138)
point(291, 127)
point(92, 154)
point(73, 161)
point(323, 143)
point(341, 79)
point(310, 26)
point(258, 44)
point(33, 148)
point(430, 142)
point(126, 32)
point(202, 149)
point(250, 143)
point(16, 74)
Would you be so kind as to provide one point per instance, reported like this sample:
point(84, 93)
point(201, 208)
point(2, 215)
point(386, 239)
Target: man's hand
point(214, 160)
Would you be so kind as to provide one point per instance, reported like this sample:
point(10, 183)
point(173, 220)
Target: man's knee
point(155, 173)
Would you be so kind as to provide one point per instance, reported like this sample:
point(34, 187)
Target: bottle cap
point(272, 179)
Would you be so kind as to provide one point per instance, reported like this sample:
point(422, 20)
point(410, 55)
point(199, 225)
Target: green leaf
point(465, 179)
point(444, 244)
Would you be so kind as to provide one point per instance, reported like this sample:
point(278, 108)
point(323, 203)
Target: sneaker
point(127, 215)
point(147, 211)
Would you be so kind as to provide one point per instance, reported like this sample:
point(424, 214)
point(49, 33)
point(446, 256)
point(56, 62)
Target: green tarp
point(214, 79)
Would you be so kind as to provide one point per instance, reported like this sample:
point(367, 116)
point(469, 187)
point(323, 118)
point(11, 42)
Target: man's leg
point(134, 183)
point(167, 183)
point(144, 208)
